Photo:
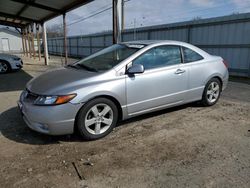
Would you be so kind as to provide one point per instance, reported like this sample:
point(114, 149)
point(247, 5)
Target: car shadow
point(14, 128)
point(159, 113)
point(14, 81)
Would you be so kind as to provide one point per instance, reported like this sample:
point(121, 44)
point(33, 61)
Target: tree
point(55, 30)
point(196, 18)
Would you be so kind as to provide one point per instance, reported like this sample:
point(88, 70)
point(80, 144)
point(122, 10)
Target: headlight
point(54, 100)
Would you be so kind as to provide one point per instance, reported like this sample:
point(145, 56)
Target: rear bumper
point(225, 81)
point(51, 120)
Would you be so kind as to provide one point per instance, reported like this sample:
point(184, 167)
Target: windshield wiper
point(77, 66)
point(72, 66)
point(87, 68)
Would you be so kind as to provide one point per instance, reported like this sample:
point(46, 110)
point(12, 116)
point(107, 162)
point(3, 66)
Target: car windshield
point(107, 58)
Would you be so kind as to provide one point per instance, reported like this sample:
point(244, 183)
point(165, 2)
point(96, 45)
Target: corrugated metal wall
point(14, 41)
point(227, 36)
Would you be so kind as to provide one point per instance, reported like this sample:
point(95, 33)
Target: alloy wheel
point(3, 67)
point(98, 119)
point(213, 92)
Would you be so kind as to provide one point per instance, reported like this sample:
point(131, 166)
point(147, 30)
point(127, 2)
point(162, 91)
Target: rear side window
point(190, 55)
point(161, 56)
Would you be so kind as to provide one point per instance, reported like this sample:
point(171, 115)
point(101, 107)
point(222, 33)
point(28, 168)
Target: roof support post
point(29, 41)
point(65, 39)
point(38, 40)
point(24, 50)
point(117, 11)
point(33, 41)
point(25, 42)
point(45, 47)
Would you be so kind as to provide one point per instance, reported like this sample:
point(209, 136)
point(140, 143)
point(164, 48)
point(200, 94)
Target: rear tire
point(4, 67)
point(97, 118)
point(211, 93)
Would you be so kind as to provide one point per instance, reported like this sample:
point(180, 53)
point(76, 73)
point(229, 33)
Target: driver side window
point(160, 56)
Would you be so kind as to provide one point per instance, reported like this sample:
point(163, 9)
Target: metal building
point(227, 36)
point(10, 41)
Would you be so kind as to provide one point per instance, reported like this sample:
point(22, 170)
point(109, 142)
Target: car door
point(162, 84)
point(198, 73)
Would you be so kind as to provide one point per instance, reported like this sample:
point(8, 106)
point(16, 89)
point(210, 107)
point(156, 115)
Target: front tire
point(211, 92)
point(97, 118)
point(4, 67)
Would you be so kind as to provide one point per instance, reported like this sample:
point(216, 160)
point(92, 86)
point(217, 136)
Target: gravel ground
point(187, 146)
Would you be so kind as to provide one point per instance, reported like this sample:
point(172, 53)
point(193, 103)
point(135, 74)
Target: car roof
point(149, 42)
point(167, 42)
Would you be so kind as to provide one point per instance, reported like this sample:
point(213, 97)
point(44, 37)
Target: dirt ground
point(187, 146)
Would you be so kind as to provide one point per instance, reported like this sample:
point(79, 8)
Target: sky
point(140, 13)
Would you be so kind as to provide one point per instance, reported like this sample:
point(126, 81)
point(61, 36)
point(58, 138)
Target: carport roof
point(20, 13)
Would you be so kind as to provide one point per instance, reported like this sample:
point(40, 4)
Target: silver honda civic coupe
point(119, 82)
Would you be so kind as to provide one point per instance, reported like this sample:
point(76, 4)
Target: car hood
point(7, 56)
point(60, 81)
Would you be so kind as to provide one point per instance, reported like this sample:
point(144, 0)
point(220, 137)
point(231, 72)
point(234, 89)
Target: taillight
point(225, 63)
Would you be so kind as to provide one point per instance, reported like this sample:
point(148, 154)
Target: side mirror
point(135, 69)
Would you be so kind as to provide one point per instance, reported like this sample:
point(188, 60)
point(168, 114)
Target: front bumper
point(52, 120)
point(16, 64)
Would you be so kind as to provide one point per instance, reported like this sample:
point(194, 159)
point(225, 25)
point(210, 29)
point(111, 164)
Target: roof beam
point(17, 17)
point(11, 24)
point(18, 30)
point(67, 8)
point(22, 9)
point(75, 5)
point(23, 22)
point(33, 4)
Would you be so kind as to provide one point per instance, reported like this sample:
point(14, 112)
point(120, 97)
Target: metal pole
point(38, 41)
point(65, 39)
point(114, 13)
point(45, 47)
point(123, 16)
point(117, 14)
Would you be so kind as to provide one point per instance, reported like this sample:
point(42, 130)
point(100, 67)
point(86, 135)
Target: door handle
point(179, 71)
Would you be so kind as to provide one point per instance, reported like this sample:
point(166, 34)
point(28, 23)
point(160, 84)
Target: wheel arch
point(113, 99)
point(218, 76)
